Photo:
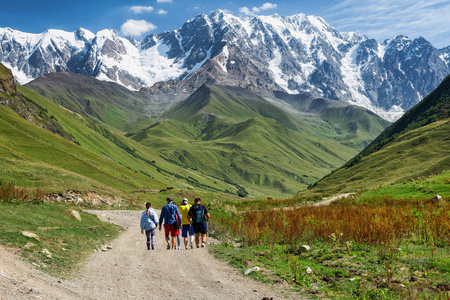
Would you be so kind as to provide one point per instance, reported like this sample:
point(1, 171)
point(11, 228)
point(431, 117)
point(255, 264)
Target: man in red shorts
point(169, 214)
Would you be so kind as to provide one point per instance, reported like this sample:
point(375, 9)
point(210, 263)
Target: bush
point(9, 193)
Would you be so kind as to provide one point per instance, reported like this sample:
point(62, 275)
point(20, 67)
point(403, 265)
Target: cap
point(185, 200)
point(169, 199)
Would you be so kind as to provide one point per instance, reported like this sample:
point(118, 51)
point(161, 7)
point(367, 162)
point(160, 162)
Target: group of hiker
point(190, 219)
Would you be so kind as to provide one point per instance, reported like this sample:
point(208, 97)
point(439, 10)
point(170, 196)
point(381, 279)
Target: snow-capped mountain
point(297, 54)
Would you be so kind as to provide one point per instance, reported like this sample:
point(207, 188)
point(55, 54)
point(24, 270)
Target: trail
point(328, 202)
point(130, 271)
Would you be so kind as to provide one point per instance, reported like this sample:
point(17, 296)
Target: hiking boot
point(203, 244)
point(192, 246)
point(153, 248)
point(168, 246)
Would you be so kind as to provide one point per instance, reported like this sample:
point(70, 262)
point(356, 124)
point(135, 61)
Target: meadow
point(68, 240)
point(361, 248)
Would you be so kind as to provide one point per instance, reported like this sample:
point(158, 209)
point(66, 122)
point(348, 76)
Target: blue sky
point(381, 19)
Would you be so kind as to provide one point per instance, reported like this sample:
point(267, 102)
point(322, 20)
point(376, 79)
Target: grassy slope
point(414, 146)
point(248, 142)
point(34, 157)
point(418, 153)
point(350, 125)
point(148, 166)
point(108, 103)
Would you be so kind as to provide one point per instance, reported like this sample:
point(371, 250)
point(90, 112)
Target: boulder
point(47, 253)
point(30, 234)
point(76, 215)
point(436, 199)
point(305, 248)
point(251, 270)
point(28, 245)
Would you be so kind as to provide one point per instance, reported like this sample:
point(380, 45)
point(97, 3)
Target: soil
point(130, 271)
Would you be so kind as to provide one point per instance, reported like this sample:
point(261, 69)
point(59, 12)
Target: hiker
point(178, 246)
point(186, 226)
point(169, 214)
point(199, 215)
point(149, 224)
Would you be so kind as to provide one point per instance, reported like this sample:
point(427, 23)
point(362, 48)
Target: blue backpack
point(198, 213)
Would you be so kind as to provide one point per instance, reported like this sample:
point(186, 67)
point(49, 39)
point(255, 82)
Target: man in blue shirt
point(171, 215)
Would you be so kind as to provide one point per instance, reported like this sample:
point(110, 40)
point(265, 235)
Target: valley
point(323, 157)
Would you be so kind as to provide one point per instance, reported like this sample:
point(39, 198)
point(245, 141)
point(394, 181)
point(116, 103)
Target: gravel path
point(130, 271)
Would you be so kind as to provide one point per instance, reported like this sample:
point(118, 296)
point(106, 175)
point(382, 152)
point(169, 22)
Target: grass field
point(68, 240)
point(416, 154)
point(365, 248)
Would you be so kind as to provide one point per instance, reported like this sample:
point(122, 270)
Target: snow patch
point(19, 75)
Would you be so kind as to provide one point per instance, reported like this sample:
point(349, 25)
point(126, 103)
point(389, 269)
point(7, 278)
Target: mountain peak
point(296, 54)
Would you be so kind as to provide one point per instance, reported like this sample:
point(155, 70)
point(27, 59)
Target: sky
point(380, 19)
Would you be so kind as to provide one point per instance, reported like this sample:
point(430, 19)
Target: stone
point(28, 245)
point(308, 270)
point(352, 279)
point(47, 253)
point(109, 247)
point(402, 285)
point(251, 270)
point(30, 235)
point(103, 249)
point(436, 199)
point(305, 248)
point(76, 215)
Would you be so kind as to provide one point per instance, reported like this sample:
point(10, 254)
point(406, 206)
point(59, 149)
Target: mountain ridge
point(297, 54)
point(414, 146)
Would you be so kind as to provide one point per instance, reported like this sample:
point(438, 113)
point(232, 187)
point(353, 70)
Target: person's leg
point(173, 242)
point(178, 242)
point(197, 239)
point(203, 239)
point(166, 232)
point(204, 231)
point(184, 232)
point(153, 233)
point(191, 235)
point(147, 234)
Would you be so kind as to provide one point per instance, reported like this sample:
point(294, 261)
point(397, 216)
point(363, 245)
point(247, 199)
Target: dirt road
point(328, 202)
point(130, 271)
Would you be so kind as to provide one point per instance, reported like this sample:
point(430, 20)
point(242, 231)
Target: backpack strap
point(153, 218)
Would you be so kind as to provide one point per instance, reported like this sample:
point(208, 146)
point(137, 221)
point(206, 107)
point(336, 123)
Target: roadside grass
point(69, 241)
point(371, 248)
point(419, 188)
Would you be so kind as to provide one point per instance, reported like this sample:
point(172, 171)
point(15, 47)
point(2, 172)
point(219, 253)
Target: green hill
point(417, 145)
point(105, 102)
point(350, 125)
point(89, 158)
point(245, 141)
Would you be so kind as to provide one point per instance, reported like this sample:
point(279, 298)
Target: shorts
point(187, 228)
point(200, 227)
point(169, 229)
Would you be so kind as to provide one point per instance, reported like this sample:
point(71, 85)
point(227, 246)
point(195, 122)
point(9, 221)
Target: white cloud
point(141, 9)
point(162, 12)
point(164, 1)
point(386, 18)
point(266, 6)
point(136, 27)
